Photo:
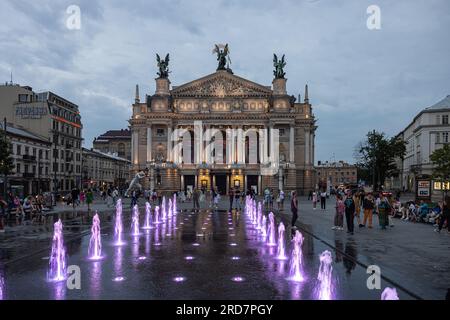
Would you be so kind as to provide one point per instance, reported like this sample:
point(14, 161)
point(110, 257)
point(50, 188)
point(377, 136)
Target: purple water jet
point(296, 263)
point(57, 270)
point(163, 209)
point(389, 294)
point(281, 253)
point(169, 212)
point(135, 221)
point(174, 204)
point(148, 217)
point(2, 288)
point(157, 221)
point(95, 243)
point(118, 228)
point(271, 241)
point(264, 227)
point(325, 276)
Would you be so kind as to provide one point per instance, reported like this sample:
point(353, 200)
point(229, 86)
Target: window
point(19, 150)
point(438, 137)
point(26, 168)
point(160, 132)
point(281, 132)
point(34, 151)
point(40, 153)
point(27, 150)
point(23, 97)
point(55, 167)
point(62, 167)
point(46, 171)
point(445, 119)
point(18, 168)
point(445, 137)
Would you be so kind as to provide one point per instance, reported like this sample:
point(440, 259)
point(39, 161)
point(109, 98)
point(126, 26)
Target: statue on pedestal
point(279, 65)
point(135, 183)
point(163, 66)
point(222, 52)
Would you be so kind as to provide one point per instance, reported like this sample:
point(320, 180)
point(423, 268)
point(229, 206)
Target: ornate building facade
point(226, 119)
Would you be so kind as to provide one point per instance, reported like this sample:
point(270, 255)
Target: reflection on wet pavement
point(192, 255)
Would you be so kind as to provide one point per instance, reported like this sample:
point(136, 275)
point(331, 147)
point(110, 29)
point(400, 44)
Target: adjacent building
point(32, 162)
point(225, 132)
point(115, 141)
point(56, 120)
point(334, 174)
point(101, 169)
point(428, 131)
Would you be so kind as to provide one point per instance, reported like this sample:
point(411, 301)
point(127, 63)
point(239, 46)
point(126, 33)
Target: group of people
point(270, 196)
point(23, 211)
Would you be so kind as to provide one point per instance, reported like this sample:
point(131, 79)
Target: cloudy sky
point(359, 79)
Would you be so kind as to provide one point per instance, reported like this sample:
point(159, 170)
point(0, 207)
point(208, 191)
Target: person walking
point(323, 199)
point(368, 206)
point(349, 212)
point(314, 200)
point(195, 199)
point(339, 215)
point(357, 199)
point(445, 209)
point(281, 197)
point(294, 210)
point(89, 198)
point(82, 197)
point(3, 208)
point(231, 198)
point(383, 212)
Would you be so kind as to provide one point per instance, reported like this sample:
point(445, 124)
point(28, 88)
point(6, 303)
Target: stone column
point(135, 147)
point(233, 145)
point(280, 179)
point(307, 146)
point(261, 145)
point(149, 143)
point(291, 144)
point(240, 146)
point(169, 143)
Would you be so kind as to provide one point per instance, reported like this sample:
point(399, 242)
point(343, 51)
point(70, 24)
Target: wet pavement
point(203, 255)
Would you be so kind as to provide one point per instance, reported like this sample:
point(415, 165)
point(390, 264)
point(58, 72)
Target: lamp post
point(5, 180)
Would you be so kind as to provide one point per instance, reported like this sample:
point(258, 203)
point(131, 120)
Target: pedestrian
point(89, 198)
point(82, 197)
point(294, 210)
point(349, 212)
point(314, 200)
point(281, 196)
point(310, 195)
point(357, 199)
point(195, 198)
point(445, 209)
point(339, 215)
point(323, 199)
point(3, 208)
point(368, 206)
point(383, 212)
point(133, 199)
point(231, 198)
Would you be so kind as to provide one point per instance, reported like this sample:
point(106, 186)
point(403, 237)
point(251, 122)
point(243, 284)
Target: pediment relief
point(221, 85)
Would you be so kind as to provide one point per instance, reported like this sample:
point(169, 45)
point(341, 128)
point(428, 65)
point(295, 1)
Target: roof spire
point(306, 94)
point(137, 99)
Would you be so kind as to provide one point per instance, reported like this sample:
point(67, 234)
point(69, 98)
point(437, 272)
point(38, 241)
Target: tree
point(441, 162)
point(6, 161)
point(377, 156)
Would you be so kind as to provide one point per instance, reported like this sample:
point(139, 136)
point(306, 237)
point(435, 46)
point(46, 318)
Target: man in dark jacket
point(349, 212)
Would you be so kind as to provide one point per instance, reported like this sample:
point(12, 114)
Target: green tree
point(377, 157)
point(441, 162)
point(6, 161)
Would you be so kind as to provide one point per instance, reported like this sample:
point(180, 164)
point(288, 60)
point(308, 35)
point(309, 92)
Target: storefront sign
point(31, 111)
point(423, 189)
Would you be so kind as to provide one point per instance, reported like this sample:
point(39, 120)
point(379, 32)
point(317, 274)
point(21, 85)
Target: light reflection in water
point(95, 281)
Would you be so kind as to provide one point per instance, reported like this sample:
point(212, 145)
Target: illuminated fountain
point(389, 294)
point(118, 227)
point(95, 243)
point(271, 241)
point(174, 204)
point(163, 209)
point(169, 212)
point(2, 288)
point(325, 276)
point(264, 227)
point(57, 268)
point(157, 220)
point(148, 217)
point(296, 263)
point(281, 253)
point(135, 221)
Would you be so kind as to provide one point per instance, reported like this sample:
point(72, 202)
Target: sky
point(359, 79)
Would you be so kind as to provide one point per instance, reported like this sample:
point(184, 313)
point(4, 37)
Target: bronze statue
point(279, 65)
point(163, 66)
point(222, 56)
